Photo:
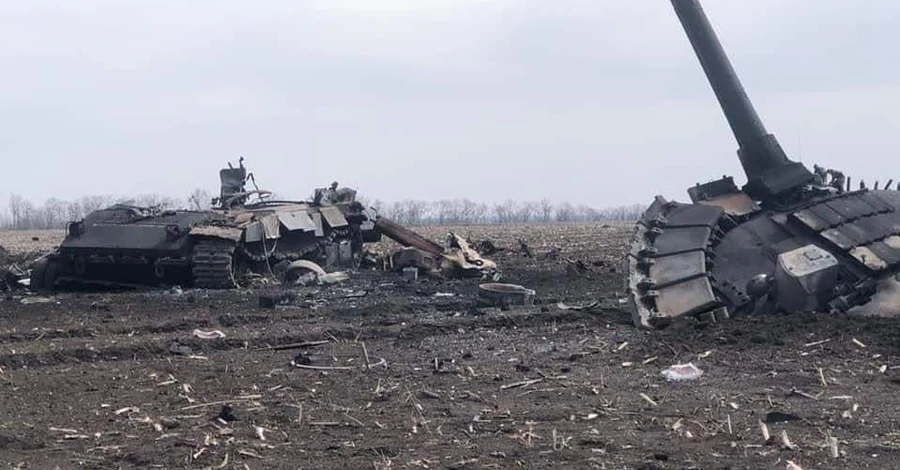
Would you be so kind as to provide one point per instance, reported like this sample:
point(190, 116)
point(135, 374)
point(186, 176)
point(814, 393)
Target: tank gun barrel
point(769, 171)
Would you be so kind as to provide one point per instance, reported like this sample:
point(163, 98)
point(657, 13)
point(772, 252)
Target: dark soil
point(105, 380)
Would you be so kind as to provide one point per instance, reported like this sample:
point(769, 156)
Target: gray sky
point(593, 101)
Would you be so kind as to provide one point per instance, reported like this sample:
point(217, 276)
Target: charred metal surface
point(788, 240)
point(407, 237)
point(457, 259)
point(147, 246)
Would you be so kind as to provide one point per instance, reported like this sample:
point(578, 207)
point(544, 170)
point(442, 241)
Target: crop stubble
point(89, 380)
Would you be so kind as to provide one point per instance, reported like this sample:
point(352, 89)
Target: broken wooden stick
point(221, 402)
point(765, 432)
point(523, 383)
point(833, 447)
point(786, 441)
point(305, 344)
point(648, 399)
point(381, 362)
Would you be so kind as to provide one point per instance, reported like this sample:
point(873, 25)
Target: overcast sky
point(599, 102)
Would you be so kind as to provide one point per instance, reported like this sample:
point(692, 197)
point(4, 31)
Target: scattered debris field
point(384, 372)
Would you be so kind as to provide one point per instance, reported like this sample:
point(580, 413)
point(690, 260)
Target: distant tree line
point(22, 214)
point(467, 211)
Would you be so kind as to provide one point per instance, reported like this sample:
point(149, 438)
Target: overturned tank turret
point(788, 240)
point(124, 244)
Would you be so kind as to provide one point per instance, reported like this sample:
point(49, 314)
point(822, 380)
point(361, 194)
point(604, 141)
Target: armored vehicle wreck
point(125, 244)
point(787, 240)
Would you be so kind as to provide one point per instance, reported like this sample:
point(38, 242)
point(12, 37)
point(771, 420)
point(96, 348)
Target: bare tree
point(565, 212)
point(582, 213)
point(379, 206)
point(200, 199)
point(504, 211)
point(74, 211)
point(416, 212)
point(481, 213)
point(93, 203)
point(153, 200)
point(468, 210)
point(546, 210)
point(28, 215)
point(448, 211)
point(17, 210)
point(525, 211)
point(395, 212)
point(53, 213)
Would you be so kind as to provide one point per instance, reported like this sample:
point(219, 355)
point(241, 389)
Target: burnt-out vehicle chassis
point(130, 245)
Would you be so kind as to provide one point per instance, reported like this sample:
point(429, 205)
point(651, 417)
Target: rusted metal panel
point(334, 217)
point(298, 220)
point(228, 233)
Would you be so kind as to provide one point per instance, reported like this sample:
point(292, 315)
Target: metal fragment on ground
point(505, 295)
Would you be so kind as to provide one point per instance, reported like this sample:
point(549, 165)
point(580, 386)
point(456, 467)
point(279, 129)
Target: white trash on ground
point(682, 372)
point(333, 278)
point(211, 334)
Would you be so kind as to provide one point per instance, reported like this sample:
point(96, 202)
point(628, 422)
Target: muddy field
point(397, 374)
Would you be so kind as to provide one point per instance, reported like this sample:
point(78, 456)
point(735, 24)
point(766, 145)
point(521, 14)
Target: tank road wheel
point(36, 281)
point(213, 263)
point(43, 276)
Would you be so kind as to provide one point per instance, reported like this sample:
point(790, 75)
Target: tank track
point(213, 263)
point(668, 263)
point(671, 263)
point(301, 253)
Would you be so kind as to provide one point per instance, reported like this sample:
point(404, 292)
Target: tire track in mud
point(151, 341)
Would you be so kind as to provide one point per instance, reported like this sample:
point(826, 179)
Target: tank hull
point(128, 245)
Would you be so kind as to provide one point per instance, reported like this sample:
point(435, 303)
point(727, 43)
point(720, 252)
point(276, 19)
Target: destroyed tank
point(131, 245)
point(789, 240)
